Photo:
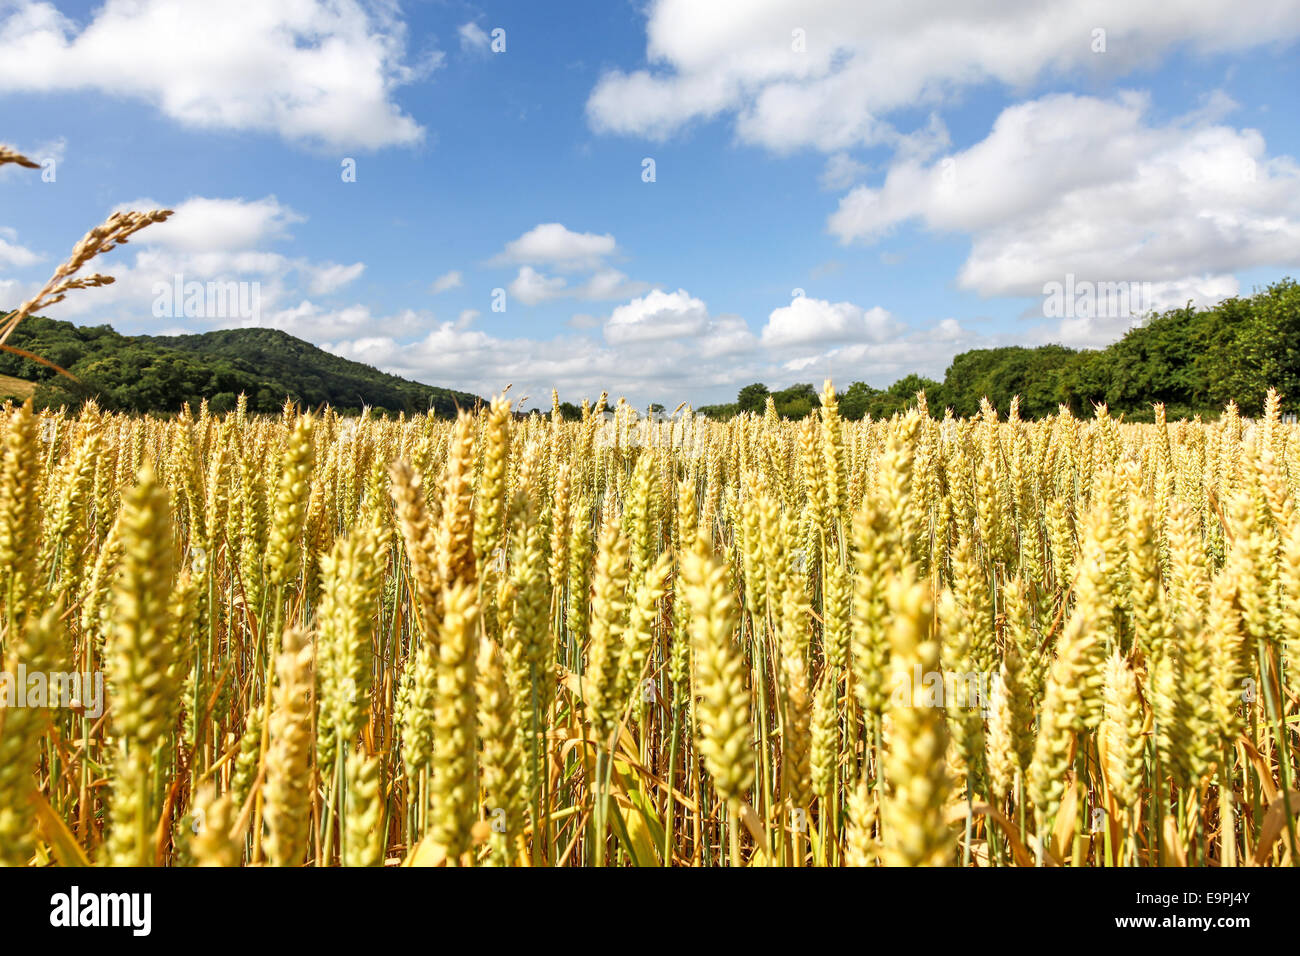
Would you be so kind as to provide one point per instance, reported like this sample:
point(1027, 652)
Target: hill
point(1193, 361)
point(144, 373)
point(15, 388)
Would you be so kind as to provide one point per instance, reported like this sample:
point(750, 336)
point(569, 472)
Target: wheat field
point(514, 640)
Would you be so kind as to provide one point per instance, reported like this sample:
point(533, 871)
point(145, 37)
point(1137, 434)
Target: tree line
point(1194, 361)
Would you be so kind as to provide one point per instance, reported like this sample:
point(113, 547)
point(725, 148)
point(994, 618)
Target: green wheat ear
point(289, 757)
point(21, 731)
point(916, 771)
point(140, 655)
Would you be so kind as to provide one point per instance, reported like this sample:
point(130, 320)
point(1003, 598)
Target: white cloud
point(842, 171)
point(862, 62)
point(473, 38)
point(1095, 323)
point(531, 287)
point(656, 316)
point(221, 241)
point(806, 321)
point(576, 365)
point(551, 243)
point(315, 71)
point(12, 254)
point(608, 285)
point(948, 330)
point(446, 281)
point(926, 352)
point(1078, 185)
point(307, 320)
point(201, 224)
point(554, 245)
point(922, 143)
point(710, 360)
point(727, 335)
point(659, 347)
point(329, 277)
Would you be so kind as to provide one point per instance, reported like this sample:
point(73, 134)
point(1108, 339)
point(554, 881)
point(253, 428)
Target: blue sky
point(921, 172)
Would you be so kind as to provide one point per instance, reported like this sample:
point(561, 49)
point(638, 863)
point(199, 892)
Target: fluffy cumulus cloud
point(13, 254)
point(552, 243)
point(224, 247)
point(656, 347)
point(656, 316)
point(201, 224)
point(1075, 185)
point(815, 339)
point(310, 320)
point(532, 287)
point(576, 365)
point(609, 284)
point(925, 351)
point(1094, 314)
point(726, 336)
point(553, 246)
point(661, 347)
point(315, 71)
point(809, 321)
point(829, 75)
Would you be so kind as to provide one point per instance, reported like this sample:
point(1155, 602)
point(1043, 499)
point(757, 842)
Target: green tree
point(856, 400)
point(752, 398)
